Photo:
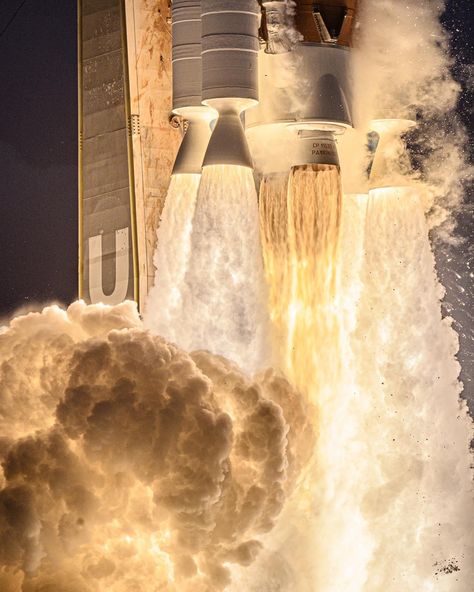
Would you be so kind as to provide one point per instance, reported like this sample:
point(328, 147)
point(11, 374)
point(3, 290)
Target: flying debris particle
point(449, 567)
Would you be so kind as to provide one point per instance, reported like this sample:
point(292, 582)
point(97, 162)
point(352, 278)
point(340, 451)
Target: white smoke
point(171, 259)
point(417, 495)
point(402, 71)
point(129, 464)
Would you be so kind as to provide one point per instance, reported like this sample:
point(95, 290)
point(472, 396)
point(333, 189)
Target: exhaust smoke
point(152, 469)
point(224, 297)
point(130, 465)
point(165, 300)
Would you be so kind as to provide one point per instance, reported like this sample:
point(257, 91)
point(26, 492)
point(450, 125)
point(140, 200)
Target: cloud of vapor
point(402, 70)
point(128, 464)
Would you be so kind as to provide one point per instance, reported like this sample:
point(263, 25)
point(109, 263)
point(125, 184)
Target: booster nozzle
point(228, 143)
point(391, 161)
point(194, 144)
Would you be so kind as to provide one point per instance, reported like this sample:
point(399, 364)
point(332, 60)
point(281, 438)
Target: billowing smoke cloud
point(131, 465)
point(402, 70)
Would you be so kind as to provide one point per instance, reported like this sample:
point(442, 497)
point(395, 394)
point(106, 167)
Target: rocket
point(224, 71)
point(247, 50)
point(221, 67)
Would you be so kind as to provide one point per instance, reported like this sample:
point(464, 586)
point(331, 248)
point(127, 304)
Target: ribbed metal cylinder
point(230, 49)
point(187, 61)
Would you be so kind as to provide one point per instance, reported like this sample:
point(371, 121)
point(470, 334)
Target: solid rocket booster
point(230, 48)
point(219, 47)
point(187, 86)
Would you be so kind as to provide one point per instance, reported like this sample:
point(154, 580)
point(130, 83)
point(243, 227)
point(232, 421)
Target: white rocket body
point(230, 48)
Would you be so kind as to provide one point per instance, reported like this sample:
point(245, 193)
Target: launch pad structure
point(129, 136)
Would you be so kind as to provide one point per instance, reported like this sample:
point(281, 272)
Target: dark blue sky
point(38, 137)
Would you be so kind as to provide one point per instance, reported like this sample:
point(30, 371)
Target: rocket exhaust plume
point(230, 84)
point(209, 290)
point(407, 371)
point(223, 297)
point(314, 212)
point(300, 220)
point(187, 86)
point(165, 300)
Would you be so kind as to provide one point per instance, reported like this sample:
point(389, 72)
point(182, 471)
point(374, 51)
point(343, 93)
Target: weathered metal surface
point(106, 263)
point(156, 142)
point(328, 21)
point(127, 145)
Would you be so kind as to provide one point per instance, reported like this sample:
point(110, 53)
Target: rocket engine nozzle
point(230, 49)
point(194, 143)
point(228, 143)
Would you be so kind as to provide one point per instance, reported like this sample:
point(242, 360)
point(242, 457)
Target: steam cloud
point(402, 70)
point(131, 465)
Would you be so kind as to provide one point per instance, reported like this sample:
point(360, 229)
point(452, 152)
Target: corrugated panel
point(127, 146)
point(107, 265)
